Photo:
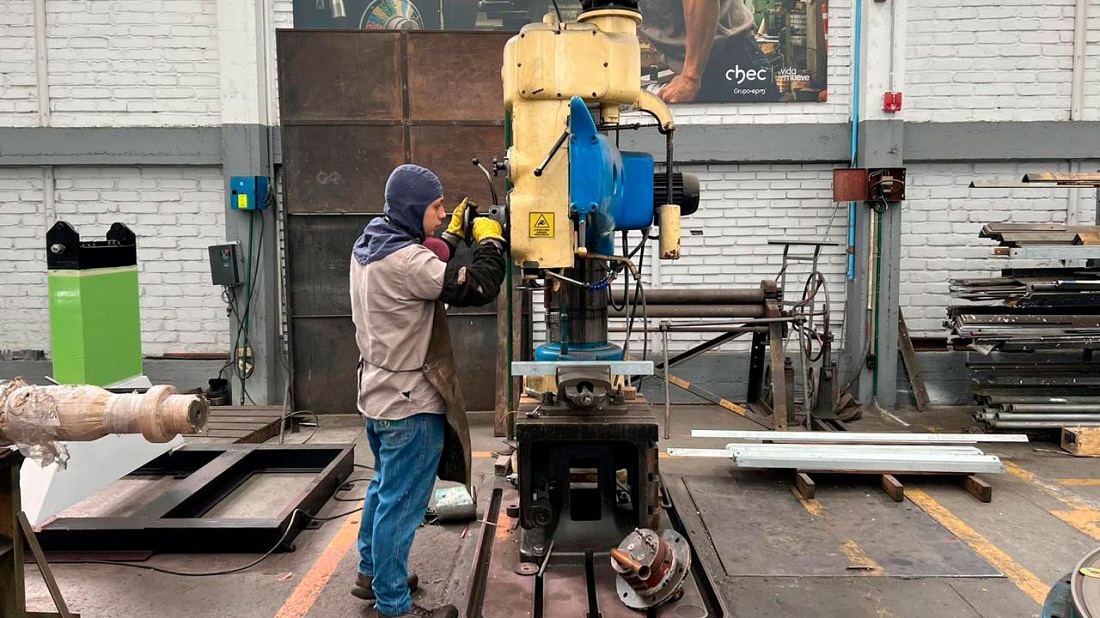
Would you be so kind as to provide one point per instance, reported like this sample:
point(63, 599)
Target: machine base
point(505, 586)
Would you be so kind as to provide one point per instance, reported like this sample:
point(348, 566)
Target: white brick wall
point(175, 212)
point(284, 13)
point(133, 62)
point(725, 243)
point(24, 308)
point(941, 221)
point(18, 76)
point(989, 60)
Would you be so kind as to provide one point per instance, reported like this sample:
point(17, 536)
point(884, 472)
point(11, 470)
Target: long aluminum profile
point(549, 368)
point(852, 450)
point(971, 464)
point(857, 459)
point(803, 437)
point(699, 452)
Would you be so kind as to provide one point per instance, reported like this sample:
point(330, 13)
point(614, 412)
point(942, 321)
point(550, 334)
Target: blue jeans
point(406, 455)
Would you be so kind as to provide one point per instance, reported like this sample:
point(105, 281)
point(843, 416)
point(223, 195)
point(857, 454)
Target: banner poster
point(748, 51)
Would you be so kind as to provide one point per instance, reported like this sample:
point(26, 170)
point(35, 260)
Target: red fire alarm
point(891, 102)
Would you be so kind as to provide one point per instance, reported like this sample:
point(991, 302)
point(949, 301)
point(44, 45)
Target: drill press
point(587, 447)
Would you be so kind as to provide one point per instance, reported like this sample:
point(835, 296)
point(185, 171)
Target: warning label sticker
point(542, 225)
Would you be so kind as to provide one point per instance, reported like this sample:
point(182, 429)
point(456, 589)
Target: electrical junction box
point(248, 192)
point(225, 264)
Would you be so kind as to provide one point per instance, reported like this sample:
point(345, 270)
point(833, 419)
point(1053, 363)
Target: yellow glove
point(486, 228)
point(457, 217)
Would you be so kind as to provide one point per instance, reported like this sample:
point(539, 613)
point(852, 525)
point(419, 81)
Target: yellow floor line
point(1077, 482)
point(812, 505)
point(1082, 514)
point(860, 560)
point(481, 455)
point(309, 589)
point(1024, 579)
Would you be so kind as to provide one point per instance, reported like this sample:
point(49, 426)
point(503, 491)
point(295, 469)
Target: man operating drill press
point(408, 391)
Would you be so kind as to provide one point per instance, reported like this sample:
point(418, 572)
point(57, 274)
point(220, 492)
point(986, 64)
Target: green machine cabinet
point(95, 321)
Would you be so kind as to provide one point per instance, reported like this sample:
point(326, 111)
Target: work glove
point(454, 233)
point(486, 228)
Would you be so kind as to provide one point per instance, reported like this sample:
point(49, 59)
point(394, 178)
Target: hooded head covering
point(409, 191)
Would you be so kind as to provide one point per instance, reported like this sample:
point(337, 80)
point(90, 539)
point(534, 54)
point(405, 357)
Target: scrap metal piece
point(651, 567)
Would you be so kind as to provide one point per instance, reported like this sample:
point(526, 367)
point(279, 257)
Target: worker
point(711, 47)
point(408, 391)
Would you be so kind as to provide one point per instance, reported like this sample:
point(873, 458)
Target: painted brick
point(18, 75)
point(176, 295)
point(24, 303)
point(133, 63)
point(989, 61)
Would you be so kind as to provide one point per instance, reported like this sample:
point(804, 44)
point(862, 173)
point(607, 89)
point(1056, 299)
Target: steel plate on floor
point(758, 527)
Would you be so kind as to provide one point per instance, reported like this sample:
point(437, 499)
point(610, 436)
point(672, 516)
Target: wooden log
point(82, 413)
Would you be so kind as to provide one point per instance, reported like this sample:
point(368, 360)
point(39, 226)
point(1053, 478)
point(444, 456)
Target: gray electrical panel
point(225, 264)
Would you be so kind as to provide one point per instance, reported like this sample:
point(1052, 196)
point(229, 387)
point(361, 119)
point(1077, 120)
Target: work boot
point(364, 591)
point(445, 611)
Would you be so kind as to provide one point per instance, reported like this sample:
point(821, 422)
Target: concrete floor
point(1044, 517)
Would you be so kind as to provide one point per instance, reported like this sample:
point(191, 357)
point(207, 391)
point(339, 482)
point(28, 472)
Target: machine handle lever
point(553, 151)
point(492, 189)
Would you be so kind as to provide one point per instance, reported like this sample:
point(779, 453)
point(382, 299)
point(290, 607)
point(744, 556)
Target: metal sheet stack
point(1052, 314)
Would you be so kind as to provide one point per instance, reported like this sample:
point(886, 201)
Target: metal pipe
point(1040, 424)
point(693, 296)
point(1056, 408)
point(1065, 418)
point(700, 311)
point(664, 372)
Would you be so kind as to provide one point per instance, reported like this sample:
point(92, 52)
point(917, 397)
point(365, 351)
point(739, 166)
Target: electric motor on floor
point(651, 566)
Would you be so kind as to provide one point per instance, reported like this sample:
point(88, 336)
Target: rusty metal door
point(354, 105)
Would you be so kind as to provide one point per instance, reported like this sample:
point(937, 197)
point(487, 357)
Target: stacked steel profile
point(1037, 329)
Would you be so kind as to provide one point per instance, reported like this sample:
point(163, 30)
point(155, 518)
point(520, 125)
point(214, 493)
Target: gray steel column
point(881, 55)
point(881, 146)
point(244, 45)
point(246, 152)
point(853, 356)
